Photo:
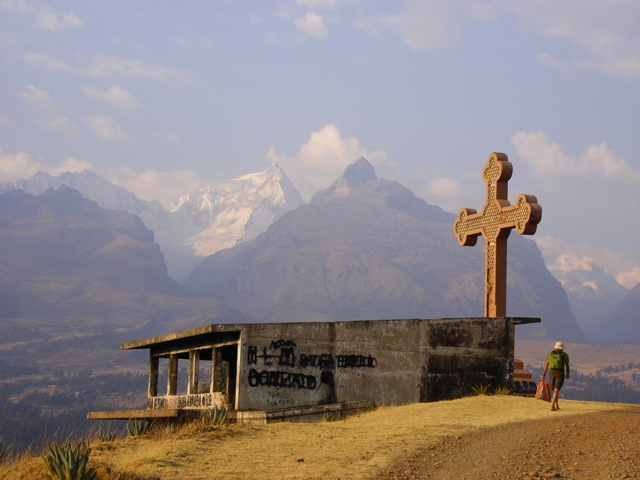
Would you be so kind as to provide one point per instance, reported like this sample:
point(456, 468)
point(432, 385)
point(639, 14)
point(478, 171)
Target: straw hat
point(559, 346)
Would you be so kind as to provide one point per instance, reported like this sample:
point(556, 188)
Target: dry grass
point(356, 448)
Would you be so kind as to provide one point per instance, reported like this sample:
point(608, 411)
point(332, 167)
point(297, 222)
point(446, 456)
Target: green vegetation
point(108, 436)
point(215, 417)
point(598, 388)
point(602, 386)
point(68, 461)
point(481, 390)
point(138, 427)
point(502, 390)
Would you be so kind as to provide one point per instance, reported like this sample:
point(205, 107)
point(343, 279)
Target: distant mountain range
point(250, 250)
point(622, 326)
point(212, 218)
point(367, 248)
point(77, 277)
point(593, 293)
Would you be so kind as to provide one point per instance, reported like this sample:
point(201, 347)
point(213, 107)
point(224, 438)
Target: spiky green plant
point(106, 436)
point(68, 461)
point(215, 417)
point(502, 390)
point(481, 390)
point(138, 427)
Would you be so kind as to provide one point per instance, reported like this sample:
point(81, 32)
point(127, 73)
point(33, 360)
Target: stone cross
point(494, 223)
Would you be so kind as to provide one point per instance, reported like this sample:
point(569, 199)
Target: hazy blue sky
point(159, 96)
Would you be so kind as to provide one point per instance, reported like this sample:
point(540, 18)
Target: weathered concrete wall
point(383, 361)
point(289, 365)
point(466, 353)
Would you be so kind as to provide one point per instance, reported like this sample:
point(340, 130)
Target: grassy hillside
point(360, 447)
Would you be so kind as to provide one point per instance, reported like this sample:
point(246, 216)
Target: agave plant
point(215, 416)
point(138, 427)
point(68, 461)
point(502, 390)
point(481, 390)
point(106, 436)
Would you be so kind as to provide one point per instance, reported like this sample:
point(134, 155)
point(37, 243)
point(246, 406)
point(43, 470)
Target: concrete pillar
point(172, 376)
point(153, 376)
point(194, 372)
point(216, 370)
point(212, 374)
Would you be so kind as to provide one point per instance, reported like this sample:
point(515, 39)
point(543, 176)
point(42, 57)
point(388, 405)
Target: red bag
point(544, 391)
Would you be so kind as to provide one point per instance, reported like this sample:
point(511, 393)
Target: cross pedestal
point(494, 223)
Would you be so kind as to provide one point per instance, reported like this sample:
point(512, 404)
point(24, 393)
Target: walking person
point(557, 362)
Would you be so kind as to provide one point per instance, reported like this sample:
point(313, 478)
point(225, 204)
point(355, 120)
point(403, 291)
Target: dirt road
point(602, 445)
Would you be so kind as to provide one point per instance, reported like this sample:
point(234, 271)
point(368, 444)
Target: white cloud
point(323, 158)
point(48, 62)
point(52, 111)
point(70, 164)
point(116, 96)
point(106, 66)
point(166, 187)
point(318, 4)
point(72, 20)
point(547, 159)
point(312, 24)
point(606, 33)
point(16, 166)
point(44, 18)
point(421, 25)
point(445, 190)
point(107, 128)
point(22, 165)
point(59, 124)
point(630, 278)
point(564, 256)
point(38, 97)
point(103, 66)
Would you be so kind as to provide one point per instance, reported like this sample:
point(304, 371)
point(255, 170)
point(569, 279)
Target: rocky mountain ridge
point(621, 326)
point(214, 217)
point(367, 248)
point(593, 293)
point(75, 275)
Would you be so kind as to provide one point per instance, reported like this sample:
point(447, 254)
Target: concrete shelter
point(276, 371)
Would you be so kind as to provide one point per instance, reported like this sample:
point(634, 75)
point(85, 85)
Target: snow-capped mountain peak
point(592, 292)
point(212, 218)
point(227, 213)
point(582, 277)
point(271, 186)
point(91, 186)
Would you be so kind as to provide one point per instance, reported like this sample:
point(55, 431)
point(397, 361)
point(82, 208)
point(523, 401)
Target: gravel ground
point(603, 445)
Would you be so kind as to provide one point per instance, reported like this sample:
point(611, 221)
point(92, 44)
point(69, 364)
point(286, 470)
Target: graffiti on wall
point(312, 370)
